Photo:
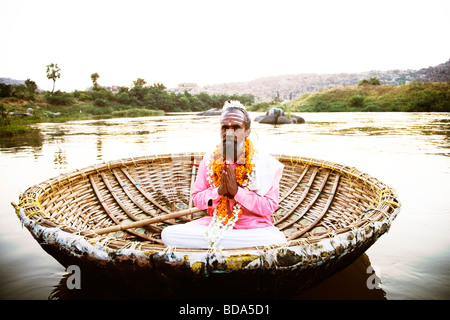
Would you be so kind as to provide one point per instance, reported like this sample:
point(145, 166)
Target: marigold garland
point(244, 171)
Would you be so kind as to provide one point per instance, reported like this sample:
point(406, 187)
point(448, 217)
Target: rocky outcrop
point(29, 113)
point(277, 116)
point(440, 73)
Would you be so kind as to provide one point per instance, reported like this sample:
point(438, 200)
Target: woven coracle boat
point(107, 219)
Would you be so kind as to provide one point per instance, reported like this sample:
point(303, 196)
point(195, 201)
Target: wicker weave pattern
point(319, 199)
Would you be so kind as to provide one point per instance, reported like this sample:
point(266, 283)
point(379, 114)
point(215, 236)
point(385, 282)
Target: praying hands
point(228, 185)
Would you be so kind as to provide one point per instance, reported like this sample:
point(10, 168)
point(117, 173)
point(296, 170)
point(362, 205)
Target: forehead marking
point(233, 117)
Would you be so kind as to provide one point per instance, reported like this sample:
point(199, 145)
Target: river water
point(410, 152)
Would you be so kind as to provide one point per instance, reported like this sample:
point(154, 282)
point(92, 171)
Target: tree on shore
point(139, 82)
point(31, 86)
point(53, 73)
point(94, 78)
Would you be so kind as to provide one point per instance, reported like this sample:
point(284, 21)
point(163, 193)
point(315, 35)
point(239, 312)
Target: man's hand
point(228, 183)
point(223, 186)
point(232, 185)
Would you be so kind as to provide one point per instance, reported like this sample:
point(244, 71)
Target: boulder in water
point(277, 116)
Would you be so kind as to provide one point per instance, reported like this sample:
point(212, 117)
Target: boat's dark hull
point(169, 274)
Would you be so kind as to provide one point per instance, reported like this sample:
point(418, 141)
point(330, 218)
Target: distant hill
point(440, 73)
point(291, 86)
point(11, 81)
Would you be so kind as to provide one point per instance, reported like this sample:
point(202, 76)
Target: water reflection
point(99, 148)
point(357, 281)
point(17, 143)
point(60, 159)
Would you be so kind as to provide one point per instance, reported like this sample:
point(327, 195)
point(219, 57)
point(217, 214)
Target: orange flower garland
point(222, 220)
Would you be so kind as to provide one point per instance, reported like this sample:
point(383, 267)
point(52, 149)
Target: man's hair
point(236, 105)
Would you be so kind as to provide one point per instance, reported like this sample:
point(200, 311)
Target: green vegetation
point(374, 81)
point(140, 100)
point(371, 96)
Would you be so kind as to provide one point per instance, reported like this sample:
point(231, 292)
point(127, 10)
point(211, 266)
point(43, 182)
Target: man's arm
point(202, 192)
point(260, 205)
point(255, 203)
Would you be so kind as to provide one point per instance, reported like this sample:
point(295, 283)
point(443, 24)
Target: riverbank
point(413, 97)
point(17, 113)
point(21, 106)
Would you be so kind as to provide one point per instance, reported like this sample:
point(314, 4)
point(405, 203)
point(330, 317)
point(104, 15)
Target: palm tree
point(53, 73)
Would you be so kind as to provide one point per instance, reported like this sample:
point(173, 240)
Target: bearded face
point(230, 147)
point(233, 134)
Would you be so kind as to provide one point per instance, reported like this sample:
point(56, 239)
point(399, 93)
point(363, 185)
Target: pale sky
point(209, 41)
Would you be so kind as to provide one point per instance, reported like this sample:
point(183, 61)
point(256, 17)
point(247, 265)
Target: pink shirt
point(257, 210)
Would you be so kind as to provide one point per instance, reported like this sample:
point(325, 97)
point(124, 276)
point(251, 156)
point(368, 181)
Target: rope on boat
point(25, 204)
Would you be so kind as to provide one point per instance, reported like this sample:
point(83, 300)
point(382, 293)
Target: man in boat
point(238, 186)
